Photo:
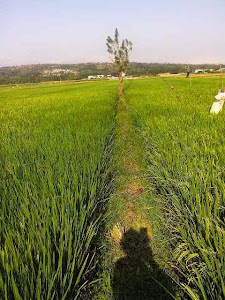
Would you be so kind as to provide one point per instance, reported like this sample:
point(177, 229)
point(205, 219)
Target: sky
point(73, 31)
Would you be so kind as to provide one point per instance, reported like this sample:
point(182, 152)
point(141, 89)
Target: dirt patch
point(133, 166)
point(136, 192)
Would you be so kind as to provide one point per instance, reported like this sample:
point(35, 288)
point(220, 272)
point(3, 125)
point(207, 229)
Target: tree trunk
point(121, 84)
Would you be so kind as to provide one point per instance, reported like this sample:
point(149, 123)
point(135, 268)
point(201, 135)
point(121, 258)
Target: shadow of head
point(136, 244)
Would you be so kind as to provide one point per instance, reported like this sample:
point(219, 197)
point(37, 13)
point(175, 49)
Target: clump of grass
point(55, 148)
point(185, 152)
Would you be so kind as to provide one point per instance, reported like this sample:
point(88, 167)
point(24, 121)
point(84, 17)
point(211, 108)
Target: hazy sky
point(71, 31)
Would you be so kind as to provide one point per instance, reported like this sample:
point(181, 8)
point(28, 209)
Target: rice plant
point(55, 178)
point(185, 150)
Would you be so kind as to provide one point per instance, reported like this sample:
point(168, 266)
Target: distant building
point(91, 77)
point(100, 76)
point(96, 77)
point(199, 71)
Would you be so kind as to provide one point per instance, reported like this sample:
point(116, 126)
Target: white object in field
point(218, 104)
point(216, 107)
point(220, 96)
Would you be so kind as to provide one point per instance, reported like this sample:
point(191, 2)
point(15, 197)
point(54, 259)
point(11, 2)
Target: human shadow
point(137, 275)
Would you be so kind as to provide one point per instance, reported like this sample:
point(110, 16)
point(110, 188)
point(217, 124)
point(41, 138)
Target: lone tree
point(188, 70)
point(120, 55)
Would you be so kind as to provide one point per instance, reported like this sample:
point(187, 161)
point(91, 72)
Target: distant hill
point(48, 72)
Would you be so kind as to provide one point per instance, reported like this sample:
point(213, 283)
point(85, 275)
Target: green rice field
point(55, 174)
point(185, 153)
point(57, 184)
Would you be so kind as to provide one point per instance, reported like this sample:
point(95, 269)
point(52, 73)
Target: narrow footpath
point(136, 275)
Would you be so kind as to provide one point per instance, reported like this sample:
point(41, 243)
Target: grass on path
point(136, 274)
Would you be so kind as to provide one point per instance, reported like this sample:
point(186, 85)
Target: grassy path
point(136, 272)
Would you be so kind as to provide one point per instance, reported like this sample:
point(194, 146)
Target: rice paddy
point(61, 157)
point(185, 157)
point(55, 177)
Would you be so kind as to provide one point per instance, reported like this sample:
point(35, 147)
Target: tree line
point(34, 73)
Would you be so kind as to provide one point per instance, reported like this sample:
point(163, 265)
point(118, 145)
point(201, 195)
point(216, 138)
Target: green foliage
point(119, 52)
point(55, 174)
point(185, 152)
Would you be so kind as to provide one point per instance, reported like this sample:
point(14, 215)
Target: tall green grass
point(185, 150)
point(55, 178)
